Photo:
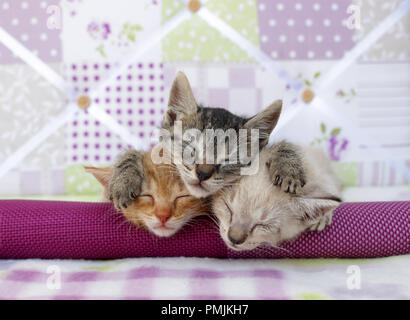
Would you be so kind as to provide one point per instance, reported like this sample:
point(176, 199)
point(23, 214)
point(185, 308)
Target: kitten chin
point(199, 190)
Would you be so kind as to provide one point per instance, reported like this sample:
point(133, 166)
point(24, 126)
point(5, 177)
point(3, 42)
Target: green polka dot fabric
point(79, 182)
point(190, 40)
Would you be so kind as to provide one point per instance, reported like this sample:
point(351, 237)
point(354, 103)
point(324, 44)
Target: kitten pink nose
point(163, 214)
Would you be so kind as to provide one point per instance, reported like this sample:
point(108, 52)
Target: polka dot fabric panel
point(31, 22)
point(135, 100)
point(191, 40)
point(304, 30)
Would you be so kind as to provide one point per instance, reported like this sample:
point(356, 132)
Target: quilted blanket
point(195, 278)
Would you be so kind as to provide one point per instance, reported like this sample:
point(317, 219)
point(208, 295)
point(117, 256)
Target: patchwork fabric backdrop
point(84, 41)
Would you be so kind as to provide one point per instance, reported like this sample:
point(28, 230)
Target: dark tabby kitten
point(204, 178)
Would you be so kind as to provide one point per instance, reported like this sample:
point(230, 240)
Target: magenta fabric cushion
point(49, 229)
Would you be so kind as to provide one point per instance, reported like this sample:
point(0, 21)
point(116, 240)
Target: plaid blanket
point(195, 278)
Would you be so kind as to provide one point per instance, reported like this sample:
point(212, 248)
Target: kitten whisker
point(215, 221)
point(270, 248)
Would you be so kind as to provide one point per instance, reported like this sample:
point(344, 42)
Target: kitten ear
point(317, 212)
point(181, 100)
point(265, 120)
point(103, 175)
point(317, 207)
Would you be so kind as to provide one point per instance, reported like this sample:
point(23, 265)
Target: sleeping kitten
point(163, 205)
point(256, 212)
point(208, 177)
point(211, 172)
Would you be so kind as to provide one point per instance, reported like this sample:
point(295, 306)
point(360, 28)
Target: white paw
point(323, 221)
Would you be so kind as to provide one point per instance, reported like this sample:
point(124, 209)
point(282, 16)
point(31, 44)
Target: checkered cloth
point(199, 278)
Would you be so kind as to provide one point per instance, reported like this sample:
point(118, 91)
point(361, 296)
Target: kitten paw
point(123, 192)
point(286, 168)
point(290, 182)
point(323, 221)
point(127, 179)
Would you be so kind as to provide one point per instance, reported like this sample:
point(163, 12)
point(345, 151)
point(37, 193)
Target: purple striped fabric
point(141, 283)
point(140, 273)
point(49, 229)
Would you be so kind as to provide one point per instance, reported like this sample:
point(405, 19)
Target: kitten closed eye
point(182, 199)
point(264, 227)
point(146, 199)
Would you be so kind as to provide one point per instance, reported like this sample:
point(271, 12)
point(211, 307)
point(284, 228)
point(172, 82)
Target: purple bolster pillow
point(50, 229)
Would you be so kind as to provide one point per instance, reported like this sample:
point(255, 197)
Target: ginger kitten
point(256, 211)
point(163, 205)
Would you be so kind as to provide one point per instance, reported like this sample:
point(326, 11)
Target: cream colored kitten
point(256, 212)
